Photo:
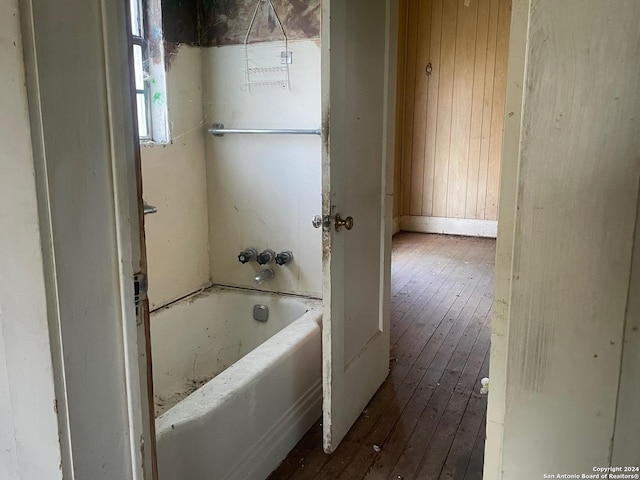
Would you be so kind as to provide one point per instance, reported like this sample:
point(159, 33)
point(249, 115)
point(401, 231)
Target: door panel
point(355, 326)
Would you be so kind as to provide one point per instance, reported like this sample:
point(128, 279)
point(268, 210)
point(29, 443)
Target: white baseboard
point(396, 225)
point(450, 226)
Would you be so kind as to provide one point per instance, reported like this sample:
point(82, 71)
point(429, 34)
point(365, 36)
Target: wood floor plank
point(387, 437)
point(377, 435)
point(380, 420)
point(385, 401)
point(427, 414)
point(438, 396)
point(424, 378)
point(462, 447)
point(400, 256)
point(476, 464)
point(436, 286)
point(446, 430)
point(423, 263)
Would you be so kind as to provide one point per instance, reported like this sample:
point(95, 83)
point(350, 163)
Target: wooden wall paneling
point(453, 119)
point(487, 108)
point(420, 106)
point(477, 110)
point(461, 108)
point(432, 109)
point(407, 128)
point(497, 115)
point(401, 82)
point(445, 101)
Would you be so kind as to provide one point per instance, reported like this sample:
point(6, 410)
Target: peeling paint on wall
point(210, 23)
point(226, 21)
point(180, 21)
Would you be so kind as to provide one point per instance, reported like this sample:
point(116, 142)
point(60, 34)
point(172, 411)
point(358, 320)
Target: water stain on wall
point(210, 23)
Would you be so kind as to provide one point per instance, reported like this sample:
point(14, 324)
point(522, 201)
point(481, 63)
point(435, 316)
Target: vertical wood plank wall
point(450, 122)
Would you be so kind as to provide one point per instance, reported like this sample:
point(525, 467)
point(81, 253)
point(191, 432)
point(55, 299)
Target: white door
point(357, 49)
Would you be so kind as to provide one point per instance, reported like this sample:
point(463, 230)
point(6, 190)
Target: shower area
point(234, 262)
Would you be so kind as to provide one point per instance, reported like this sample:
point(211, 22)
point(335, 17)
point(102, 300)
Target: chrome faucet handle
point(284, 258)
point(266, 256)
point(247, 255)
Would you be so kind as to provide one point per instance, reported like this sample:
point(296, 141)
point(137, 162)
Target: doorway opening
point(227, 206)
point(428, 419)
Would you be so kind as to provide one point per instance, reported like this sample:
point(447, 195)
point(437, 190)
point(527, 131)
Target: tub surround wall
point(174, 181)
point(255, 191)
point(263, 190)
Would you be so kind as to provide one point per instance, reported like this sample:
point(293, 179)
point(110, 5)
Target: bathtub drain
point(260, 313)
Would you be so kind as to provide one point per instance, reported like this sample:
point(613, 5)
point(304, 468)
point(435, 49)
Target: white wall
point(174, 180)
point(626, 440)
point(567, 215)
point(264, 190)
point(29, 447)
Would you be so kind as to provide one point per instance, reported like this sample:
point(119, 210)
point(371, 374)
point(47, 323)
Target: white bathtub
point(263, 387)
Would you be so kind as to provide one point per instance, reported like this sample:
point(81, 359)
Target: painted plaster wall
point(174, 180)
point(29, 448)
point(281, 186)
point(626, 439)
point(568, 212)
point(264, 190)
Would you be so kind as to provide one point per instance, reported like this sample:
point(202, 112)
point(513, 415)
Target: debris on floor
point(485, 386)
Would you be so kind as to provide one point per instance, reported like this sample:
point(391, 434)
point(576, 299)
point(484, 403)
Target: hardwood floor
point(427, 420)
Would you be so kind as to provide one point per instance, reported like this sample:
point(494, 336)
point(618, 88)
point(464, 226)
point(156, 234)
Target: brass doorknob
point(340, 222)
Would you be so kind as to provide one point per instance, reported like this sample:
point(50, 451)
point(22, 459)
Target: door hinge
point(140, 287)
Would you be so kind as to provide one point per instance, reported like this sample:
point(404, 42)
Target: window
point(149, 71)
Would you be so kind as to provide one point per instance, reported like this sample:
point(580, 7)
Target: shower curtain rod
point(218, 130)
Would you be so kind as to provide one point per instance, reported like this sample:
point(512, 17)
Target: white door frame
point(506, 234)
point(125, 227)
point(519, 151)
point(84, 158)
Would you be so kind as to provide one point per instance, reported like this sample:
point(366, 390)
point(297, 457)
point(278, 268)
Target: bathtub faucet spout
point(264, 275)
